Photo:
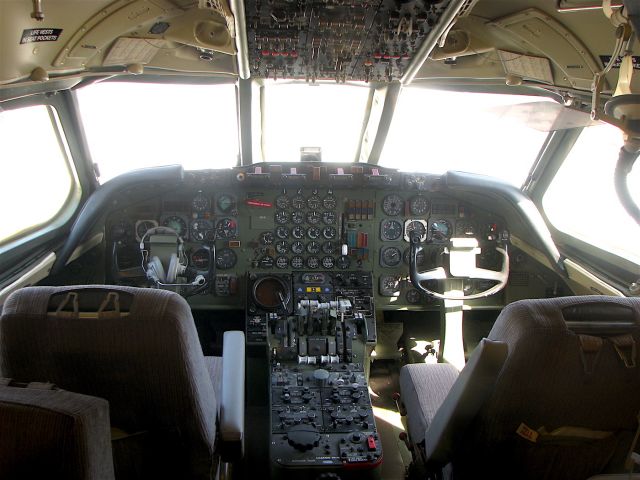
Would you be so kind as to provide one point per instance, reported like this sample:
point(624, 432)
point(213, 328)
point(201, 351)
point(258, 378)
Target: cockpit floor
point(383, 383)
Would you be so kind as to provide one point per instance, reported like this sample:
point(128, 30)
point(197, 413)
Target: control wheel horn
point(462, 264)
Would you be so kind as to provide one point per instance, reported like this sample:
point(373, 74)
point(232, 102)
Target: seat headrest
point(600, 317)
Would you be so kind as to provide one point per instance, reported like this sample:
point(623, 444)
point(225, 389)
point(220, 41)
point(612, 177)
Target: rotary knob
point(303, 437)
point(320, 376)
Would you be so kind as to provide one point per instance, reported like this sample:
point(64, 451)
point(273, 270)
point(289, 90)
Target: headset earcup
point(172, 271)
point(157, 267)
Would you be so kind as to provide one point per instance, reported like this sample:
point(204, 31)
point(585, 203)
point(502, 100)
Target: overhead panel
point(342, 40)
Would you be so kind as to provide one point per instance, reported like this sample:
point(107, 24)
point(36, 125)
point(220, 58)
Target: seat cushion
point(214, 367)
point(424, 387)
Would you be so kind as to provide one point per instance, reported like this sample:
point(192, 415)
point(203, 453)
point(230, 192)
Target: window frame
point(28, 246)
point(615, 270)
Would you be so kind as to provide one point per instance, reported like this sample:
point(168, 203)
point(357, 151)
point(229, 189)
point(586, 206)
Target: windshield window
point(582, 202)
point(434, 131)
point(37, 170)
point(136, 125)
point(328, 116)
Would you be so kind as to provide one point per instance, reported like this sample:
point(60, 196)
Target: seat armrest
point(232, 402)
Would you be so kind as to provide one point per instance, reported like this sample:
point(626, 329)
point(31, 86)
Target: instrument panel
point(231, 226)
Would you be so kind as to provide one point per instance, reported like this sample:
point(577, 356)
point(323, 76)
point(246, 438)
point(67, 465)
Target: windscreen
point(327, 116)
point(435, 131)
point(134, 125)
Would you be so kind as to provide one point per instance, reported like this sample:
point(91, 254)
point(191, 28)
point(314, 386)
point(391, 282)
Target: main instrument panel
point(233, 222)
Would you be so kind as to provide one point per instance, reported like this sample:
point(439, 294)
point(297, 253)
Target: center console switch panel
point(317, 326)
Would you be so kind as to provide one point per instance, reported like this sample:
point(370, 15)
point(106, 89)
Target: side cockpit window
point(38, 183)
point(581, 201)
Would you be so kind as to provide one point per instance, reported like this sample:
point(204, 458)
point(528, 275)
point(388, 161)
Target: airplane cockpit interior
point(320, 239)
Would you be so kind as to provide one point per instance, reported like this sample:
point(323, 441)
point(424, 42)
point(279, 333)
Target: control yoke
point(462, 264)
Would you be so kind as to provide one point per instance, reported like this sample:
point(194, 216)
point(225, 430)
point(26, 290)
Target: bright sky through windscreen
point(326, 115)
point(435, 131)
point(136, 125)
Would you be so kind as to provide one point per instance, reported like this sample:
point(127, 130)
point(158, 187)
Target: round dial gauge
point(329, 248)
point(281, 217)
point(282, 232)
point(176, 223)
point(343, 262)
point(298, 202)
point(392, 205)
point(200, 259)
point(314, 202)
point(390, 230)
point(283, 202)
point(143, 226)
point(440, 231)
point(313, 262)
point(329, 233)
point(421, 257)
point(268, 292)
point(419, 205)
point(297, 247)
point(313, 247)
point(282, 247)
point(282, 262)
point(226, 203)
point(297, 262)
point(225, 258)
point(297, 217)
point(329, 218)
point(298, 232)
point(415, 226)
point(413, 296)
point(313, 218)
point(328, 262)
point(227, 228)
point(329, 202)
point(313, 233)
point(267, 238)
point(201, 230)
point(390, 256)
point(200, 203)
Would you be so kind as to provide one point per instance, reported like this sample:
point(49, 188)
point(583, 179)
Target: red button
point(371, 443)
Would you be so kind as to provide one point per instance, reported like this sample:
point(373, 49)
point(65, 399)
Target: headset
point(153, 266)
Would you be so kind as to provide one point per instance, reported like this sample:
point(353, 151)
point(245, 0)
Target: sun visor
point(545, 116)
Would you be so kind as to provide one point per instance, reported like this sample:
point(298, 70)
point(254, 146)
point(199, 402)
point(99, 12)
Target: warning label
point(32, 35)
point(635, 60)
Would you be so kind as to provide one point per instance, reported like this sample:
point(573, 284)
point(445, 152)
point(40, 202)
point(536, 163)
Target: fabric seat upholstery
point(47, 433)
point(551, 381)
point(146, 361)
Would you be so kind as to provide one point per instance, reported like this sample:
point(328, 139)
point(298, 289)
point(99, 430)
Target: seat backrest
point(571, 363)
point(137, 348)
point(48, 433)
point(470, 390)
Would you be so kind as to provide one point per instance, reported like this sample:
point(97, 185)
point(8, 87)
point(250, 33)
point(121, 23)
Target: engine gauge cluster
point(306, 234)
